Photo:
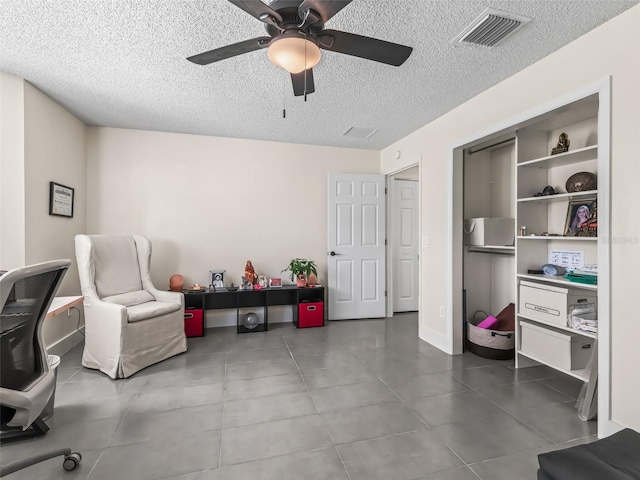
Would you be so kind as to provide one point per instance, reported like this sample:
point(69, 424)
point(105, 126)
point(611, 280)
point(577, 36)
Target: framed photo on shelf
point(217, 278)
point(275, 282)
point(582, 218)
point(60, 200)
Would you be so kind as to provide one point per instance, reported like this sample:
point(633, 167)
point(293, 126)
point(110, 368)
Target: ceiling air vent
point(360, 132)
point(490, 28)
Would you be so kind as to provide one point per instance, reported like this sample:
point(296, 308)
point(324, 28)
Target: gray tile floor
point(355, 400)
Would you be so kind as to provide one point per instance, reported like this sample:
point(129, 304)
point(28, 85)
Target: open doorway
point(403, 240)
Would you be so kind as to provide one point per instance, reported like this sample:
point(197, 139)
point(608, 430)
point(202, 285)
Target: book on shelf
point(586, 270)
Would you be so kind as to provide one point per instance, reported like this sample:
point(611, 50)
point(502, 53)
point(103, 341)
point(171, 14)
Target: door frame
point(391, 224)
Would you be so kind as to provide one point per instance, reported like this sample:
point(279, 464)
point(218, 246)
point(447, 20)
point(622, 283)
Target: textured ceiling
point(122, 63)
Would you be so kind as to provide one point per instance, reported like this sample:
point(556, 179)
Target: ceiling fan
point(296, 35)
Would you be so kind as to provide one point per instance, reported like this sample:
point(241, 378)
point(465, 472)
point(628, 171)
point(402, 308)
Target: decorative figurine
point(246, 285)
point(250, 273)
point(548, 190)
point(262, 281)
point(176, 282)
point(563, 144)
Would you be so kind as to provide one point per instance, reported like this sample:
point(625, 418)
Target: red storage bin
point(310, 314)
point(193, 323)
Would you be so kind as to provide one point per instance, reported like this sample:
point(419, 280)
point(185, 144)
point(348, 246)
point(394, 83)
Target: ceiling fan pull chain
point(305, 63)
point(284, 96)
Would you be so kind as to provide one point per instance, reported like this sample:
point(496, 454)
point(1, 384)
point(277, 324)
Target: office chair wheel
point(71, 461)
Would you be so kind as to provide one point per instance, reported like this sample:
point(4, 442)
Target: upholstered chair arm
point(99, 313)
point(169, 297)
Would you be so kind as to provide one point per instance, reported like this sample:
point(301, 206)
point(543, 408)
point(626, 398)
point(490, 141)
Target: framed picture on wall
point(60, 200)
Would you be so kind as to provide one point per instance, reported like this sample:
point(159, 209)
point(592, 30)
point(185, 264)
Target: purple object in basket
point(490, 323)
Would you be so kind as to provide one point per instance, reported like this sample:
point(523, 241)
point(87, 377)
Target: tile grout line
point(224, 394)
point(333, 443)
point(514, 417)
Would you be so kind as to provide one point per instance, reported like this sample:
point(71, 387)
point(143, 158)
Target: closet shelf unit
point(535, 169)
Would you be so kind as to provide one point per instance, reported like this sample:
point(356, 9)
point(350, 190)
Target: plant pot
point(312, 279)
point(301, 280)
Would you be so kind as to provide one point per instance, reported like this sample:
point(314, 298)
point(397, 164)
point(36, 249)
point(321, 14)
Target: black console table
point(221, 298)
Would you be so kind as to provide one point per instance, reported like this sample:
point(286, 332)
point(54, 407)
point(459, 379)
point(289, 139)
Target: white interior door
point(356, 262)
point(404, 220)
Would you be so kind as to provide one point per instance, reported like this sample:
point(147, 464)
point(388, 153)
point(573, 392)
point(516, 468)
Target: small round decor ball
point(250, 321)
point(581, 182)
point(176, 282)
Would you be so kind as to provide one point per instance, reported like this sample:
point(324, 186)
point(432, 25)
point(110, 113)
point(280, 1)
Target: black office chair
point(26, 380)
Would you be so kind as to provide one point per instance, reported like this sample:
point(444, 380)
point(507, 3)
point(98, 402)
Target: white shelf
point(555, 325)
point(500, 249)
point(579, 374)
point(558, 281)
point(560, 238)
point(567, 158)
point(561, 197)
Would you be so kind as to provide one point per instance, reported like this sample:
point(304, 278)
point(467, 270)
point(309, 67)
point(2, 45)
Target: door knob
point(333, 254)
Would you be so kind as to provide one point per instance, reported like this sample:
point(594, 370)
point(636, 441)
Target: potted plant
point(300, 269)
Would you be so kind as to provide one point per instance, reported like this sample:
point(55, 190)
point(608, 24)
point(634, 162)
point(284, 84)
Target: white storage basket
point(494, 344)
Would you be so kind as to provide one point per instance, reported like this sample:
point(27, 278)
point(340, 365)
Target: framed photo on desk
point(61, 200)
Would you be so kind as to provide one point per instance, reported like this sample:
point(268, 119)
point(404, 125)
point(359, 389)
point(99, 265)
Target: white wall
point(54, 150)
point(213, 203)
point(12, 186)
point(40, 142)
point(611, 49)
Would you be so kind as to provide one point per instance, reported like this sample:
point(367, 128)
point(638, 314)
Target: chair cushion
point(612, 458)
point(116, 265)
point(150, 309)
point(130, 299)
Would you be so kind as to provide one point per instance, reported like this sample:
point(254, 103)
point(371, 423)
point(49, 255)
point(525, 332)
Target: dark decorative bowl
point(581, 182)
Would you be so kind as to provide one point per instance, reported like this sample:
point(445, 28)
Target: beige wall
point(212, 203)
point(611, 49)
point(12, 186)
point(54, 150)
point(40, 142)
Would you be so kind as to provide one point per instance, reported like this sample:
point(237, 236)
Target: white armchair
point(129, 324)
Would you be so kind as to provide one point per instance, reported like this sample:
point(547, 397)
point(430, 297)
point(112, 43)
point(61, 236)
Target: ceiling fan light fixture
point(289, 53)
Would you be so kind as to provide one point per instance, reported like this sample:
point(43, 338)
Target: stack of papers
point(583, 317)
point(587, 274)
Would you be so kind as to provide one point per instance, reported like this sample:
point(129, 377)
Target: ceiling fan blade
point(325, 8)
point(364, 47)
point(229, 51)
point(257, 9)
point(298, 82)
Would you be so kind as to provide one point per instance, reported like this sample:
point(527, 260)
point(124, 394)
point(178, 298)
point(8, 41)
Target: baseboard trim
point(607, 427)
point(65, 344)
point(436, 339)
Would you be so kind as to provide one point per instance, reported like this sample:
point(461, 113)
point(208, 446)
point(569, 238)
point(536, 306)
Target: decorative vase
point(301, 280)
point(312, 279)
point(176, 282)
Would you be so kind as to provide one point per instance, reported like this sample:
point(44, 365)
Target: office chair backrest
point(25, 296)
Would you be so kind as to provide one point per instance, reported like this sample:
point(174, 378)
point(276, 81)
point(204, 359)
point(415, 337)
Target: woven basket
point(494, 344)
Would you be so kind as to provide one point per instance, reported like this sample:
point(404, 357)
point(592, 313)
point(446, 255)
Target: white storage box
point(568, 351)
point(489, 231)
point(549, 303)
